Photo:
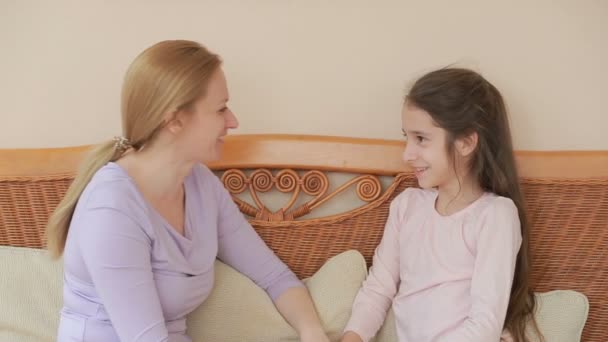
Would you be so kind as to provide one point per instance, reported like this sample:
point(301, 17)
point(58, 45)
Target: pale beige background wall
point(311, 67)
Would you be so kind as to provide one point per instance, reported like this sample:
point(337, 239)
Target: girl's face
point(426, 151)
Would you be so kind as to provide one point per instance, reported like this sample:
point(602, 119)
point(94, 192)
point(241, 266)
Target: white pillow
point(238, 310)
point(560, 315)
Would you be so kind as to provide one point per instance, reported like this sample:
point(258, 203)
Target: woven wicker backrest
point(566, 195)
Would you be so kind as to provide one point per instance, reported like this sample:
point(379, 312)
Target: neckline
point(460, 212)
point(187, 236)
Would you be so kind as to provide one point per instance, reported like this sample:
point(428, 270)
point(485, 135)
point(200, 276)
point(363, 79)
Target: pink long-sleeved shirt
point(448, 278)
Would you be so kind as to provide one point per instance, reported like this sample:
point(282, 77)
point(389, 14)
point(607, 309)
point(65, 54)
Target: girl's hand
point(351, 337)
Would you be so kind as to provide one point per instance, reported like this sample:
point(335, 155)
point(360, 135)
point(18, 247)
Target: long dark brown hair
point(462, 102)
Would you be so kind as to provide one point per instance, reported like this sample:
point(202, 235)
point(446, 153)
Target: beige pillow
point(560, 314)
point(30, 295)
point(238, 310)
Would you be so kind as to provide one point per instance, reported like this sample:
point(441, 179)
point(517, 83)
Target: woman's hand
point(314, 335)
point(298, 309)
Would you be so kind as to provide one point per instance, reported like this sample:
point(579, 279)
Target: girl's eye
point(420, 138)
point(223, 110)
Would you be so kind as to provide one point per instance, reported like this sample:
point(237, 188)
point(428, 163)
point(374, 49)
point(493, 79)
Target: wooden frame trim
point(324, 153)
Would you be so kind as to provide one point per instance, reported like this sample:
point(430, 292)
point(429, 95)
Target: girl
point(454, 260)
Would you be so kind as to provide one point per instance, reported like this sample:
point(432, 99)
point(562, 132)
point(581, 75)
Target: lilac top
point(448, 278)
point(129, 276)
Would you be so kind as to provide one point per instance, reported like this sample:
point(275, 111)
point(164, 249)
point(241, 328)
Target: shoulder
point(412, 201)
point(112, 189)
point(499, 216)
point(202, 171)
point(208, 187)
point(498, 223)
point(203, 178)
point(413, 197)
point(495, 206)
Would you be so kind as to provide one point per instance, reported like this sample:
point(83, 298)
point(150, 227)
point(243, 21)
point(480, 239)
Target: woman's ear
point(174, 121)
point(466, 145)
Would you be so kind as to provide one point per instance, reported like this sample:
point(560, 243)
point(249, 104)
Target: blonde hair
point(168, 76)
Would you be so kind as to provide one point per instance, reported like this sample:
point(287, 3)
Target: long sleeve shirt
point(448, 278)
point(129, 276)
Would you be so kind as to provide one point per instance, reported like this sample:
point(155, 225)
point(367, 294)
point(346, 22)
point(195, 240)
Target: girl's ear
point(466, 145)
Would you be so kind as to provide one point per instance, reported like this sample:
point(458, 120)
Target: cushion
point(30, 295)
point(560, 315)
point(238, 310)
point(31, 283)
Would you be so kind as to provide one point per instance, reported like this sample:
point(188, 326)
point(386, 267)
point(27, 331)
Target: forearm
point(473, 330)
point(296, 306)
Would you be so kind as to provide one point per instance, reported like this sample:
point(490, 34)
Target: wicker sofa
point(566, 195)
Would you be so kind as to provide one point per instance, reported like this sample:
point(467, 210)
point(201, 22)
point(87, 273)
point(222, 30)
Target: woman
point(144, 220)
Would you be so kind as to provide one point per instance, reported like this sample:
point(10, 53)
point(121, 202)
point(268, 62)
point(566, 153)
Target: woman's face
point(208, 122)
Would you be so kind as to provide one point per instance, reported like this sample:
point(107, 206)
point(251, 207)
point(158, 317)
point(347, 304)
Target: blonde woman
point(144, 220)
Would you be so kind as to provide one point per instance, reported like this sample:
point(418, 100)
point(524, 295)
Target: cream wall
point(310, 67)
